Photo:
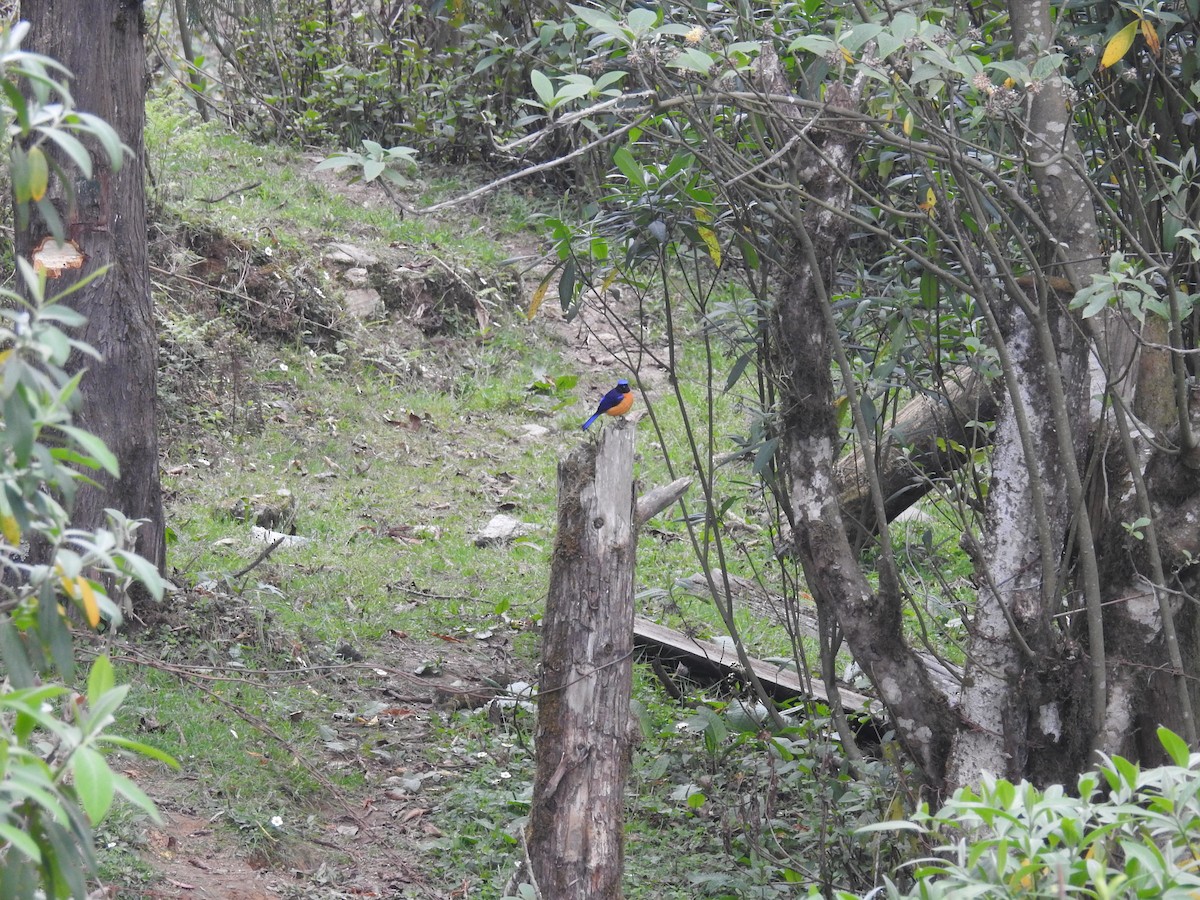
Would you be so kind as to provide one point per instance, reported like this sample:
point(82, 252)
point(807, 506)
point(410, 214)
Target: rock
point(533, 432)
point(262, 535)
point(500, 530)
point(349, 254)
point(355, 277)
point(363, 302)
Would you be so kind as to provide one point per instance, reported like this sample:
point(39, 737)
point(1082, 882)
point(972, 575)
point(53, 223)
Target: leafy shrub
point(444, 77)
point(1128, 833)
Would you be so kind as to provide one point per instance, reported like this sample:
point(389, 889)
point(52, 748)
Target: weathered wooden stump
point(584, 737)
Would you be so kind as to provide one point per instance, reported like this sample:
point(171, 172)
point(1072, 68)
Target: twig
point(533, 170)
point(267, 551)
point(236, 190)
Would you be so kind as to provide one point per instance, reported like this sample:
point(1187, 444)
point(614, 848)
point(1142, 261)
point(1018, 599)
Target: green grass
point(277, 201)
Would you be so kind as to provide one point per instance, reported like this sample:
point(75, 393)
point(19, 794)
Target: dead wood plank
point(781, 683)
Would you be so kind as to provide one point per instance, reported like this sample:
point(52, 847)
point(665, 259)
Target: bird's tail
point(590, 421)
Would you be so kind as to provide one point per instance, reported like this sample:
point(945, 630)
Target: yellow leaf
point(1151, 36)
point(39, 174)
point(608, 281)
point(714, 246)
point(10, 529)
point(91, 609)
point(1119, 44)
point(908, 124)
point(1010, 83)
point(702, 215)
point(930, 201)
point(538, 296)
point(847, 55)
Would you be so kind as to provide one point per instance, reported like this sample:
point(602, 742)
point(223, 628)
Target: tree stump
point(584, 737)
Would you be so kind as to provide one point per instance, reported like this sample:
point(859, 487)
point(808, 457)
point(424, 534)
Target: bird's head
point(622, 383)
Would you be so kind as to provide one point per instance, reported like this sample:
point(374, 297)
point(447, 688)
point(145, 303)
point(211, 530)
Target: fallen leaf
point(414, 813)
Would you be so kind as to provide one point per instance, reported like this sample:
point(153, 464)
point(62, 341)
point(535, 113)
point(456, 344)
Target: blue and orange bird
point(616, 402)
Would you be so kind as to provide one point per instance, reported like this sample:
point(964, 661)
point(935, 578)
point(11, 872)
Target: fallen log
point(781, 684)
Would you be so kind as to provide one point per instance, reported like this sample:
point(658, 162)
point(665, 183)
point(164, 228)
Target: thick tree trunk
point(802, 347)
point(101, 42)
point(584, 735)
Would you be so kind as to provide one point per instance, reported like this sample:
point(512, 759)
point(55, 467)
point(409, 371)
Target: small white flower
point(276, 821)
point(506, 774)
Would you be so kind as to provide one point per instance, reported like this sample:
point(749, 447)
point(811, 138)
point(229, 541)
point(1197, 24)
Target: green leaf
point(1175, 746)
point(93, 783)
point(600, 22)
point(18, 171)
point(543, 87)
point(813, 43)
point(566, 284)
point(135, 795)
point(137, 747)
point(629, 167)
point(100, 679)
point(100, 715)
point(486, 63)
point(17, 103)
point(739, 367)
point(693, 59)
point(890, 825)
point(55, 635)
point(12, 652)
point(72, 147)
point(106, 135)
point(696, 799)
point(143, 570)
point(93, 447)
point(21, 841)
point(372, 169)
point(641, 20)
point(338, 161)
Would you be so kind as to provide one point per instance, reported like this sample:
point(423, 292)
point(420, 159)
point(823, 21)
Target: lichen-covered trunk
point(802, 351)
point(101, 42)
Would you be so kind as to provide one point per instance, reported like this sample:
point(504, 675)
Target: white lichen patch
point(1049, 720)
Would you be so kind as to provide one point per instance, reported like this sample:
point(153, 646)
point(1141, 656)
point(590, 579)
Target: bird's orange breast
point(623, 406)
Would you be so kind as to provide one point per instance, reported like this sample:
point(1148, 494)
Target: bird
point(616, 402)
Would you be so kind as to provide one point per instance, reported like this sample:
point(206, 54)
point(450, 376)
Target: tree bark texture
point(584, 735)
point(101, 42)
point(802, 352)
point(1031, 701)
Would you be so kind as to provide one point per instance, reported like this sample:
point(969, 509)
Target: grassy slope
point(390, 575)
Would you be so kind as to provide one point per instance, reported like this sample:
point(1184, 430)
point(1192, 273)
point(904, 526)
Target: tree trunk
point(584, 735)
point(101, 42)
point(803, 342)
